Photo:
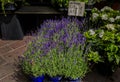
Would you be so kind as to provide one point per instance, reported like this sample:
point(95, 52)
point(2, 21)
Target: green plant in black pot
point(104, 36)
point(7, 5)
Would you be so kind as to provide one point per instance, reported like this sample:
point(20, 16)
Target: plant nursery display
point(65, 3)
point(104, 37)
point(65, 49)
point(57, 51)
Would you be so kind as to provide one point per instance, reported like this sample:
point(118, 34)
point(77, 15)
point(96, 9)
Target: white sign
point(76, 8)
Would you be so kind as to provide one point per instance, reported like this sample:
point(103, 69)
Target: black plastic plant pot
point(11, 30)
point(104, 69)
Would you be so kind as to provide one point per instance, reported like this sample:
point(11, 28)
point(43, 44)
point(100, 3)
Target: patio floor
point(9, 71)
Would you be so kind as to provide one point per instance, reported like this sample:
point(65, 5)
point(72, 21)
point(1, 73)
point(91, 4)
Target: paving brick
point(17, 44)
point(2, 61)
point(9, 52)
point(6, 69)
point(28, 38)
point(16, 77)
point(6, 42)
point(5, 49)
point(21, 43)
point(13, 56)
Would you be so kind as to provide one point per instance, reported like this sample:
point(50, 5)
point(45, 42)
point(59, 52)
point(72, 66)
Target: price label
point(76, 8)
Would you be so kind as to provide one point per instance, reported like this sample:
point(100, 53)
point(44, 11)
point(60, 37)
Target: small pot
point(10, 7)
point(75, 80)
point(55, 79)
point(38, 79)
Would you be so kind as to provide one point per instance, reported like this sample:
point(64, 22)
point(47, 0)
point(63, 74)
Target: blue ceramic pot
point(55, 79)
point(38, 79)
point(75, 80)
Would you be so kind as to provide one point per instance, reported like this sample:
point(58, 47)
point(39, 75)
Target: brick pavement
point(9, 72)
point(9, 52)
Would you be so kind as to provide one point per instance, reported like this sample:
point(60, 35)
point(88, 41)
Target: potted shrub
point(57, 43)
point(66, 56)
point(52, 65)
point(75, 66)
point(7, 5)
point(104, 37)
point(32, 64)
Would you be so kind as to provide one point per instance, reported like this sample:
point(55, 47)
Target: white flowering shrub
point(106, 8)
point(104, 36)
point(104, 16)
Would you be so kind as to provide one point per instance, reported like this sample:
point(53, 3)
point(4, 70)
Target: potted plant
point(67, 57)
point(104, 37)
point(76, 67)
point(32, 64)
point(7, 5)
point(52, 65)
point(57, 43)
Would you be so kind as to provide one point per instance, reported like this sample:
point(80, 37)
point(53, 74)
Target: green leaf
point(117, 59)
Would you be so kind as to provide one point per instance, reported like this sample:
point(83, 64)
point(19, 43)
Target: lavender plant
point(58, 49)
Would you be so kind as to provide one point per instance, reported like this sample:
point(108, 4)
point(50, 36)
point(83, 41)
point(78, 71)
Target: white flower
point(117, 18)
point(111, 19)
point(107, 8)
point(92, 32)
point(104, 17)
point(110, 27)
point(101, 33)
point(95, 15)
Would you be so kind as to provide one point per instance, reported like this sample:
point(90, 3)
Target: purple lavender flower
point(60, 34)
